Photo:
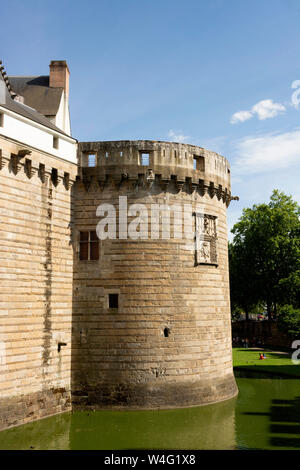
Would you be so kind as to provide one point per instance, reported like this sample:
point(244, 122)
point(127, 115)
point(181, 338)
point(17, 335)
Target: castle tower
point(151, 309)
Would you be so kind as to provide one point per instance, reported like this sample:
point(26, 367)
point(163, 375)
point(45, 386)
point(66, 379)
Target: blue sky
point(215, 73)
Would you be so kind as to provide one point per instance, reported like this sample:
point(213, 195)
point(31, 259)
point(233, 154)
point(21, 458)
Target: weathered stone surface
point(36, 286)
point(168, 344)
point(121, 357)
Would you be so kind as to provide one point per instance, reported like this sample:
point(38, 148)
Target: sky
point(221, 74)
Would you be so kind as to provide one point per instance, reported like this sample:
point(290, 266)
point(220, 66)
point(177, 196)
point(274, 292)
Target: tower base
point(152, 396)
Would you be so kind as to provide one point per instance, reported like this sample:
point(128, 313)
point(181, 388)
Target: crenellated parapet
point(148, 164)
point(23, 162)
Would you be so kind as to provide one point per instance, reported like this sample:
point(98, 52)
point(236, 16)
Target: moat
point(265, 415)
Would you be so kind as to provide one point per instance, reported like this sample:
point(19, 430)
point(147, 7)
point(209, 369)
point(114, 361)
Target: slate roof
point(6, 101)
point(37, 93)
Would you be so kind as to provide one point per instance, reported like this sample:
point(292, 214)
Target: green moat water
point(265, 415)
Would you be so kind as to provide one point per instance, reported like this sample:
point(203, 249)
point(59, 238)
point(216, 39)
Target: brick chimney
point(59, 75)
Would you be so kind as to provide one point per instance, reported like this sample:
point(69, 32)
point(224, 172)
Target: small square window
point(113, 300)
point(1, 119)
point(145, 159)
point(55, 142)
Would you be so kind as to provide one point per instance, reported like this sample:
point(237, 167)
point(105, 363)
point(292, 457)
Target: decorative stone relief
point(206, 239)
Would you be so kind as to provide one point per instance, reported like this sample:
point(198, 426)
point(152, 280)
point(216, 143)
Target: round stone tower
point(151, 307)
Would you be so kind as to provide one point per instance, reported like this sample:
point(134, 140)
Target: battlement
point(148, 159)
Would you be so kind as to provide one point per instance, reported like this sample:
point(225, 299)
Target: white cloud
point(264, 109)
point(267, 153)
point(241, 116)
point(296, 94)
point(267, 109)
point(177, 137)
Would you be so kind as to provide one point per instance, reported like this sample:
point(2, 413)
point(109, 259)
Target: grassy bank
point(276, 363)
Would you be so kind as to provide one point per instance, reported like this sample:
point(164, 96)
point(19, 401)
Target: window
point(88, 246)
point(55, 142)
point(1, 119)
point(92, 160)
point(113, 300)
point(199, 163)
point(145, 159)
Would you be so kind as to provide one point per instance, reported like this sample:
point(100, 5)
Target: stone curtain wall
point(36, 284)
point(121, 357)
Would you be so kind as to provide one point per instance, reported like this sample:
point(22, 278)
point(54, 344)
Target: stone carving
point(206, 239)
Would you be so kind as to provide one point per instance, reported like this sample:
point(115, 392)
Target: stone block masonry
point(36, 283)
point(168, 342)
point(115, 323)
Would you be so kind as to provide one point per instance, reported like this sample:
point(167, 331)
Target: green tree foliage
point(289, 320)
point(243, 294)
point(264, 256)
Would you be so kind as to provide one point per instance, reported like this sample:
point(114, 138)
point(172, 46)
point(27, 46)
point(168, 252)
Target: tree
point(289, 321)
point(264, 255)
point(243, 293)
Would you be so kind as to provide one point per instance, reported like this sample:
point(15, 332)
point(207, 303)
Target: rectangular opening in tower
point(199, 163)
point(88, 246)
point(91, 159)
point(113, 300)
point(145, 159)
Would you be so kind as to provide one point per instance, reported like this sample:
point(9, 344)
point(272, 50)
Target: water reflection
point(265, 415)
point(48, 433)
point(268, 414)
point(208, 427)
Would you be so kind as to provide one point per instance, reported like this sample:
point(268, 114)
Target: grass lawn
point(276, 363)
